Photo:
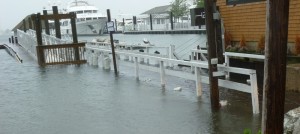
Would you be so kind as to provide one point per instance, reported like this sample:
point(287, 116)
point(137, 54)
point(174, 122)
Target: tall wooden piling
point(24, 25)
point(30, 23)
point(74, 34)
point(46, 22)
point(56, 22)
point(116, 24)
point(38, 28)
point(211, 40)
point(275, 66)
point(112, 45)
point(219, 38)
point(171, 21)
point(151, 27)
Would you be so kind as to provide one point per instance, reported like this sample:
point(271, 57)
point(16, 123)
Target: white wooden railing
point(94, 54)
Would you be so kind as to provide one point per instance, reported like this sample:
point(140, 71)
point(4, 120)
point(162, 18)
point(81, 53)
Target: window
point(88, 18)
point(87, 11)
point(94, 11)
point(79, 12)
point(95, 18)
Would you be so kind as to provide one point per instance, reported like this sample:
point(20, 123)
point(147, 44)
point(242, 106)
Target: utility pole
point(275, 66)
point(112, 45)
point(210, 6)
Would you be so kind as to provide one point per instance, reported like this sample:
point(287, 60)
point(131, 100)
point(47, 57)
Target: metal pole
point(112, 45)
point(275, 66)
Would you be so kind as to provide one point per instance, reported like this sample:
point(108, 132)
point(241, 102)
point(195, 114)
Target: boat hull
point(88, 28)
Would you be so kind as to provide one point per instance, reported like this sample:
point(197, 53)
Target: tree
point(200, 3)
point(179, 8)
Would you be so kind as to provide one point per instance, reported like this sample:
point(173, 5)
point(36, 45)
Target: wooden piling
point(38, 28)
point(46, 22)
point(151, 27)
point(275, 66)
point(116, 24)
point(74, 33)
point(56, 22)
point(24, 25)
point(30, 23)
point(112, 45)
point(171, 21)
point(211, 40)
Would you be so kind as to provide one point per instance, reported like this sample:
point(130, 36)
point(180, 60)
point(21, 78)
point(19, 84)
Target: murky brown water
point(85, 99)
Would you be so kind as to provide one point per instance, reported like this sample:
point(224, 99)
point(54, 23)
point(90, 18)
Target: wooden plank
point(63, 45)
point(56, 16)
point(67, 62)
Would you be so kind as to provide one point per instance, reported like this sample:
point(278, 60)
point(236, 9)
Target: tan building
point(248, 18)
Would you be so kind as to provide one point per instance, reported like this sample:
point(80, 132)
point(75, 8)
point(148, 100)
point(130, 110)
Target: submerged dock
point(186, 31)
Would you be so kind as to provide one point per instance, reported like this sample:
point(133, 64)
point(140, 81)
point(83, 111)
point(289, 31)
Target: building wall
point(250, 19)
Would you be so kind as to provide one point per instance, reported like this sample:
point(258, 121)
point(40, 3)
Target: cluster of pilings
point(13, 40)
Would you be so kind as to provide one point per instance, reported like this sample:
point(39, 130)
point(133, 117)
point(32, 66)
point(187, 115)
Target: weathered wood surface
point(211, 40)
point(275, 66)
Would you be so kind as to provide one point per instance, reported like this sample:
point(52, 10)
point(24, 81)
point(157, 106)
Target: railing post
point(162, 74)
point(147, 50)
point(136, 68)
point(198, 81)
point(227, 65)
point(254, 93)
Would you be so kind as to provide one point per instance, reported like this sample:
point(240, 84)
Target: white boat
point(89, 20)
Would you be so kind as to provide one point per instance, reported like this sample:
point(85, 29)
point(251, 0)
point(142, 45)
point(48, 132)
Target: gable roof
point(159, 10)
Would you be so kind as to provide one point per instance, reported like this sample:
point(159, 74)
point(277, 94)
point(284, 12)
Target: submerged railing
point(164, 65)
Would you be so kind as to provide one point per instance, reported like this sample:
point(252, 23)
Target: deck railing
point(54, 50)
point(63, 54)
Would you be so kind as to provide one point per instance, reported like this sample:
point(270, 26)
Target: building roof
point(159, 10)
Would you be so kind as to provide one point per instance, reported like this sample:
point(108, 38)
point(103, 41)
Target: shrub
point(242, 42)
point(261, 44)
point(227, 38)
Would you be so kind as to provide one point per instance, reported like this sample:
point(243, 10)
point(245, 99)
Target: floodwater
point(83, 99)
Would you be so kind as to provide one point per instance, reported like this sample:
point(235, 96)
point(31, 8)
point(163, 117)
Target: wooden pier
point(49, 51)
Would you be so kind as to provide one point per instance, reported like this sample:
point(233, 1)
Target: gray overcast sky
point(13, 11)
